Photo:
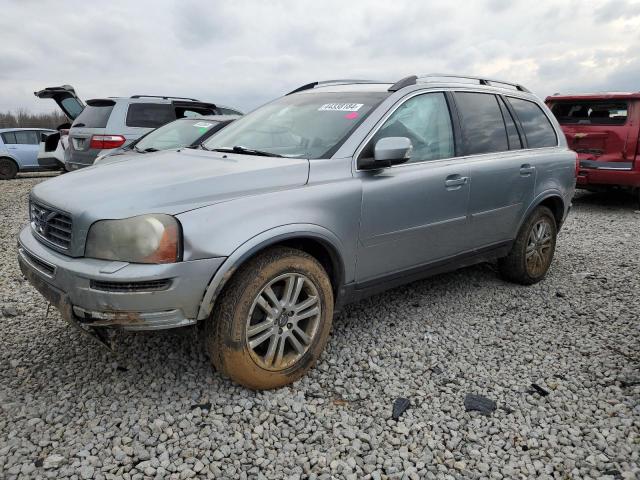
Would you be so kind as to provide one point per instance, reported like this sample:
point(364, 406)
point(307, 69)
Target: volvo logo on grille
point(40, 218)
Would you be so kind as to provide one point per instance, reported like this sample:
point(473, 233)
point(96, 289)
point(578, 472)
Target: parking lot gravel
point(156, 409)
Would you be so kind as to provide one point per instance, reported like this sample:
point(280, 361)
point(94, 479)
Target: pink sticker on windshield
point(351, 115)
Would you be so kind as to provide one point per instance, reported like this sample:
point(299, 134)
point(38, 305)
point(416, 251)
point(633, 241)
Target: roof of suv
point(434, 79)
point(595, 96)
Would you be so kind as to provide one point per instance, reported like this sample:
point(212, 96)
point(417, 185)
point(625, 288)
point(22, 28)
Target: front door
point(415, 213)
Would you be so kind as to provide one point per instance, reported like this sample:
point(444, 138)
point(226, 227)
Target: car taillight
point(103, 142)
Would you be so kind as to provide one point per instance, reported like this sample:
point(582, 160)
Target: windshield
point(306, 125)
point(180, 133)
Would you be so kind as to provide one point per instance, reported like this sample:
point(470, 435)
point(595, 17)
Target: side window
point(515, 143)
point(483, 129)
point(149, 115)
point(426, 121)
point(9, 138)
point(27, 138)
point(537, 128)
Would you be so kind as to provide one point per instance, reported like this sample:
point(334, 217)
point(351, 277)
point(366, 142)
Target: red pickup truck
point(603, 129)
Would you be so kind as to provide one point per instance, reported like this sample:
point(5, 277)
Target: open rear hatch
point(598, 131)
point(66, 98)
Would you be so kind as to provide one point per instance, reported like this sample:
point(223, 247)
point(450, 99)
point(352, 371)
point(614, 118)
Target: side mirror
point(386, 152)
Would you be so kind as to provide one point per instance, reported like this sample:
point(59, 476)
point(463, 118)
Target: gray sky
point(244, 53)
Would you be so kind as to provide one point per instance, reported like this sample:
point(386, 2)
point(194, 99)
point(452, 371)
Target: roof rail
point(165, 97)
point(330, 82)
point(413, 79)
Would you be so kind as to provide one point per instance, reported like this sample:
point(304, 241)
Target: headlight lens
point(143, 239)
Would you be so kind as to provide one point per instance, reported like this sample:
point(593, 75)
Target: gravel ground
point(157, 410)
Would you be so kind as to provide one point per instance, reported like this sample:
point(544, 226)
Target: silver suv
point(333, 192)
point(101, 125)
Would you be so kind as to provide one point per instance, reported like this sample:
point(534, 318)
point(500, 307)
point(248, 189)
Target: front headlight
point(144, 239)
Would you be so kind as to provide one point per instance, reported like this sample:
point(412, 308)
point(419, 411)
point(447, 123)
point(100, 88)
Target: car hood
point(169, 182)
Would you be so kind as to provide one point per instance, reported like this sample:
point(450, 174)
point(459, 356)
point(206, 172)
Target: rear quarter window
point(537, 128)
point(94, 116)
point(149, 115)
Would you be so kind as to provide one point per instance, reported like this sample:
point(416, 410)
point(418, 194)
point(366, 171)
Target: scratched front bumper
point(70, 280)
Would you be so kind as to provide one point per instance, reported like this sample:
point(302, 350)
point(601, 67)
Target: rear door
point(25, 148)
point(66, 98)
point(598, 130)
point(502, 177)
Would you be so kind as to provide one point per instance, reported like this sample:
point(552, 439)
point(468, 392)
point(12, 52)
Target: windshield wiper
point(246, 151)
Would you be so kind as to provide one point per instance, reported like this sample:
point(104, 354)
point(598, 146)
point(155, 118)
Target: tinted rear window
point(93, 116)
point(591, 113)
point(537, 127)
point(27, 138)
point(150, 115)
point(482, 124)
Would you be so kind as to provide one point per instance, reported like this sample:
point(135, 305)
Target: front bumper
point(76, 286)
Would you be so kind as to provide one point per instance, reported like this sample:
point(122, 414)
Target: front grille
point(52, 225)
point(144, 286)
point(39, 264)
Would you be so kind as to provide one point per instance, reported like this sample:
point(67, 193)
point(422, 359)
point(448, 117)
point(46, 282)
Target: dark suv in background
point(100, 125)
point(603, 128)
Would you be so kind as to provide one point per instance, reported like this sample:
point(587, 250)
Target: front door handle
point(527, 169)
point(454, 182)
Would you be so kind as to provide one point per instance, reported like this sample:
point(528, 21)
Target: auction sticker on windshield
point(340, 107)
point(202, 124)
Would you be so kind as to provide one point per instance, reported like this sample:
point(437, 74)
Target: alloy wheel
point(539, 247)
point(283, 321)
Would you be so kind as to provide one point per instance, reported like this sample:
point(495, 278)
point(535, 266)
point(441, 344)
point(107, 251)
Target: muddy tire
point(532, 252)
point(272, 320)
point(8, 169)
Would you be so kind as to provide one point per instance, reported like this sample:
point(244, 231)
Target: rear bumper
point(608, 173)
point(70, 285)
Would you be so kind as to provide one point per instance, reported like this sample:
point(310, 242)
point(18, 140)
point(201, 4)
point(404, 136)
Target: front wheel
point(272, 320)
point(533, 249)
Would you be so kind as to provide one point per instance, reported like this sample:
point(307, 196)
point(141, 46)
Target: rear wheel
point(8, 169)
point(272, 321)
point(533, 249)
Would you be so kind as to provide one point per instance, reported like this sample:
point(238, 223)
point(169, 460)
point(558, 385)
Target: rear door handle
point(454, 182)
point(527, 169)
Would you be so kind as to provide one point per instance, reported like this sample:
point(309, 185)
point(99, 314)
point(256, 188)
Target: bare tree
point(22, 118)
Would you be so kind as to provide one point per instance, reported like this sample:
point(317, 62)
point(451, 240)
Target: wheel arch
point(317, 241)
point(553, 201)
